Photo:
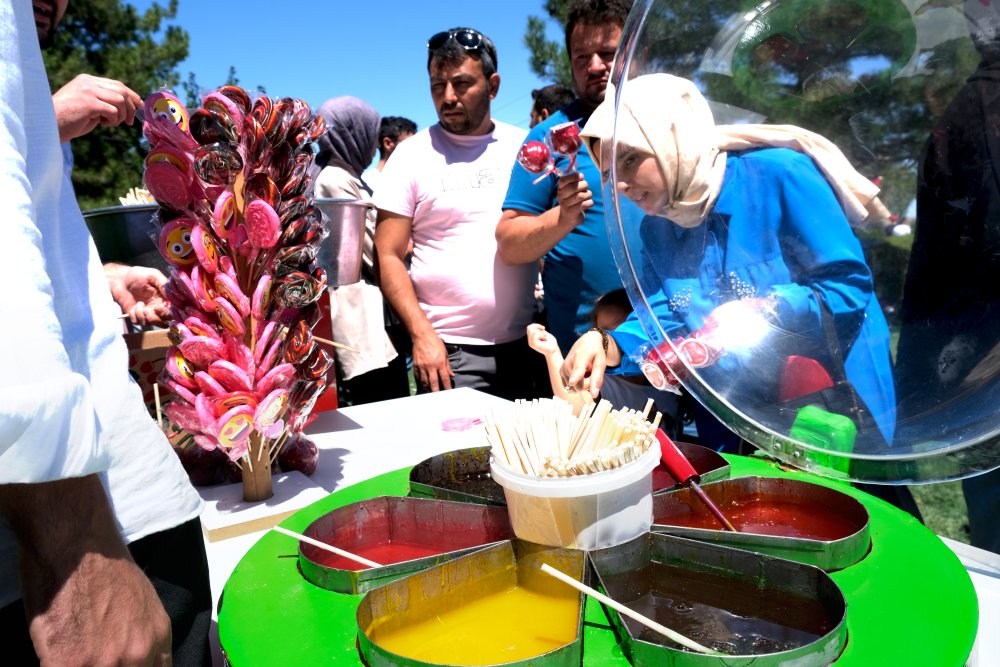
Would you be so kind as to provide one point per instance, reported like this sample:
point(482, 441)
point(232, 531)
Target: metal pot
point(126, 234)
point(341, 251)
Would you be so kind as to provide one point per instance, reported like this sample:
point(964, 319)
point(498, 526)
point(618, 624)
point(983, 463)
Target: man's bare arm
point(392, 242)
point(86, 601)
point(524, 237)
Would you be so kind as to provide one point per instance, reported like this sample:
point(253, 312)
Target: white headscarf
point(668, 116)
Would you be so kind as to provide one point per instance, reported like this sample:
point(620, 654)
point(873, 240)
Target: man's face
point(48, 13)
point(462, 95)
point(591, 52)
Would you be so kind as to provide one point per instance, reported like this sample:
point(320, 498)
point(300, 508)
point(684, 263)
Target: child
point(609, 311)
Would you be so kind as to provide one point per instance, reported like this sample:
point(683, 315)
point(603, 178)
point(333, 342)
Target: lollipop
point(175, 243)
point(565, 140)
point(537, 159)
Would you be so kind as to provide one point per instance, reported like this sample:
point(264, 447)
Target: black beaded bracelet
point(604, 337)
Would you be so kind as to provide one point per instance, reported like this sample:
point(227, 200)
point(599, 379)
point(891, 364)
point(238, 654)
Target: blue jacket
point(777, 230)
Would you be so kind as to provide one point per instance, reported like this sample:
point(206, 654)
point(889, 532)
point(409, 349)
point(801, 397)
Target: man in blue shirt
point(562, 219)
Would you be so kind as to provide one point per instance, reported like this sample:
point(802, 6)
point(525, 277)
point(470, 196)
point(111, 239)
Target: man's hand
point(88, 101)
point(138, 290)
point(430, 363)
point(86, 601)
point(574, 198)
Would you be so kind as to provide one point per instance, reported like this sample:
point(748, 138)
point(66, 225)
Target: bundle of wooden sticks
point(542, 437)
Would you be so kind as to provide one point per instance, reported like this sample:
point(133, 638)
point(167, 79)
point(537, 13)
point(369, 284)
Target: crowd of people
point(101, 556)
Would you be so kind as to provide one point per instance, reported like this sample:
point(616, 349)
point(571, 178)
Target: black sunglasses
point(467, 38)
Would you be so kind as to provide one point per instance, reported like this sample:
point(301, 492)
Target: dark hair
point(596, 12)
point(393, 126)
point(553, 97)
point(452, 52)
point(617, 298)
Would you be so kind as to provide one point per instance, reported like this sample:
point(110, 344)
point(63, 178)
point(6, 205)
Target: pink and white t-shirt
point(452, 187)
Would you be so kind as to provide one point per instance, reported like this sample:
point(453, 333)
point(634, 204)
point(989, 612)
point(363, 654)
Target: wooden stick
point(156, 399)
point(336, 344)
point(622, 609)
point(326, 547)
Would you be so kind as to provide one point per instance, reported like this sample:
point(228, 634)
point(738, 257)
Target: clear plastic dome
point(866, 349)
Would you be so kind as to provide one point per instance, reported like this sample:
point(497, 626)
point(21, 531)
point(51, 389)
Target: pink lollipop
point(179, 369)
point(267, 361)
point(226, 286)
point(203, 288)
point(183, 415)
point(239, 354)
point(166, 119)
point(205, 249)
point(279, 377)
point(168, 176)
point(175, 242)
point(234, 430)
point(206, 413)
point(179, 389)
point(199, 327)
point(224, 214)
point(229, 317)
point(206, 442)
point(209, 385)
point(263, 339)
point(262, 297)
point(178, 332)
point(231, 376)
point(269, 411)
point(262, 224)
point(226, 266)
point(202, 350)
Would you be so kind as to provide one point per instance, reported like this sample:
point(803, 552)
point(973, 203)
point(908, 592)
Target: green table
point(909, 602)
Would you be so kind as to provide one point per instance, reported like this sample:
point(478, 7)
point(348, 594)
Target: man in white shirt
point(83, 469)
point(466, 311)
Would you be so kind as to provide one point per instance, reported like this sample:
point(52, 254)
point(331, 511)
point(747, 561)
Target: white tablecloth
point(357, 443)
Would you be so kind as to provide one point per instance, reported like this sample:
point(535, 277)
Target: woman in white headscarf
point(742, 219)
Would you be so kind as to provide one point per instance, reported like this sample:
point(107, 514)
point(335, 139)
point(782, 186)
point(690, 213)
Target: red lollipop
point(565, 139)
point(535, 157)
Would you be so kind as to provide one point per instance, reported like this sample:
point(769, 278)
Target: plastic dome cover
point(861, 349)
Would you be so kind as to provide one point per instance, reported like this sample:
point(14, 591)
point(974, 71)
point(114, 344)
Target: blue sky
point(373, 49)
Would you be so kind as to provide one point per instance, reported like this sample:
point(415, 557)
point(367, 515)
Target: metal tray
point(708, 463)
point(787, 518)
point(462, 590)
point(761, 611)
point(462, 475)
point(423, 532)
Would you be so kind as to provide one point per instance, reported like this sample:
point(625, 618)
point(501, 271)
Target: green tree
point(548, 58)
point(111, 39)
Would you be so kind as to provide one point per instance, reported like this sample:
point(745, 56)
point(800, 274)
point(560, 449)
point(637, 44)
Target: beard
point(45, 22)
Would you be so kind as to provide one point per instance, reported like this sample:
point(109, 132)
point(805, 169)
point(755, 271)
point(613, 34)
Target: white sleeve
point(395, 192)
point(47, 421)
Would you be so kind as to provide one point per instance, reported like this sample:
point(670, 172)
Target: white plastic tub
point(592, 511)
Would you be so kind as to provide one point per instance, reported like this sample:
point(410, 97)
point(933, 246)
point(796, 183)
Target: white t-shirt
point(452, 187)
point(68, 407)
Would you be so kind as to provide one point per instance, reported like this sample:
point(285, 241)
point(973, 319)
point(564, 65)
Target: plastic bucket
point(592, 511)
point(341, 251)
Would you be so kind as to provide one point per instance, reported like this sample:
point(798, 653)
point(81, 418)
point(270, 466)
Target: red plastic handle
point(677, 464)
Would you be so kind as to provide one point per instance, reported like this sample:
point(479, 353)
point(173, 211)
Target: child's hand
point(542, 341)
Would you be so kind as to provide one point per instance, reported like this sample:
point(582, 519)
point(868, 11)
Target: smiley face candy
point(175, 242)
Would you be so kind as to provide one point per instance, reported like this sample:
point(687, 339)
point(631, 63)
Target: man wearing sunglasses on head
point(465, 310)
point(562, 219)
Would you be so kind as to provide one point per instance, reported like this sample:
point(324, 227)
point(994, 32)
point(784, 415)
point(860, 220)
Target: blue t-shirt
point(777, 230)
point(579, 268)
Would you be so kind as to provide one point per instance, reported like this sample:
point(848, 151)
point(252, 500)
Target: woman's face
point(640, 180)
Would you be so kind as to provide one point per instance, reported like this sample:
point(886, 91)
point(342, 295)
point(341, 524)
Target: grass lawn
point(943, 507)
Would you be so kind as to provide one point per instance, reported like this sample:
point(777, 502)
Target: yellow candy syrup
point(512, 624)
